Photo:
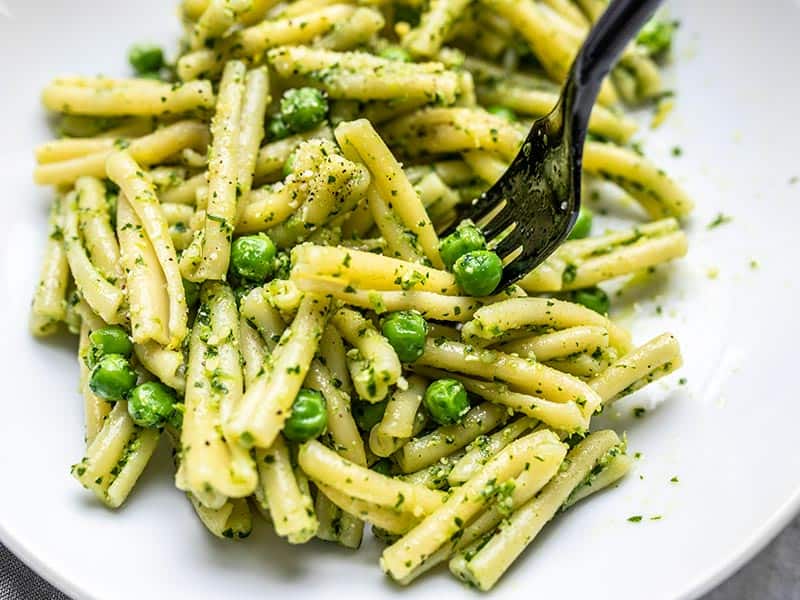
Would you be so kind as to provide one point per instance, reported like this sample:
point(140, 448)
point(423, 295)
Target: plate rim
point(720, 569)
point(723, 569)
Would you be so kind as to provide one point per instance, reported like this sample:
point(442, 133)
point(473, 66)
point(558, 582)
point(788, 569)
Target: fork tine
point(480, 207)
point(514, 271)
point(499, 224)
point(509, 244)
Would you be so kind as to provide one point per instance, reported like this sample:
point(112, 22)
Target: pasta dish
point(248, 243)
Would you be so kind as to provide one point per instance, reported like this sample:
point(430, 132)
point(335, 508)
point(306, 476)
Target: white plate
point(728, 434)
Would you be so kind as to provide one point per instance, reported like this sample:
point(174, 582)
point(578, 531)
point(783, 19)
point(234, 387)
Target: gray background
point(773, 575)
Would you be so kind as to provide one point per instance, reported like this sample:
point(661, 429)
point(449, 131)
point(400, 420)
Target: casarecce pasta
point(256, 246)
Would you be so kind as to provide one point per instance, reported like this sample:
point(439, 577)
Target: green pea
point(112, 377)
point(447, 401)
point(367, 415)
point(191, 290)
point(478, 272)
point(503, 112)
point(583, 225)
point(593, 298)
point(303, 108)
point(465, 238)
point(406, 331)
point(277, 129)
point(252, 257)
point(111, 339)
point(397, 53)
point(288, 166)
point(151, 404)
point(384, 466)
point(146, 58)
point(309, 416)
point(656, 36)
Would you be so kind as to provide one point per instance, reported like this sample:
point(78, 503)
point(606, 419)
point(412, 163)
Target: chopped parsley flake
point(721, 219)
point(635, 518)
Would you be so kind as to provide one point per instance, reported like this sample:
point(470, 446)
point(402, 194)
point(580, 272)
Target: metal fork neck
point(607, 40)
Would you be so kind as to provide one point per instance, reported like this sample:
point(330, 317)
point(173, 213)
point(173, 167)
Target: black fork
point(531, 209)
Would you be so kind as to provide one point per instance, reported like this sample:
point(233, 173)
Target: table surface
point(772, 575)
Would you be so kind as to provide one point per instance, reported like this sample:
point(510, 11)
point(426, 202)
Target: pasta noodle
point(424, 451)
point(376, 367)
point(214, 468)
point(412, 549)
point(147, 150)
point(289, 506)
point(327, 467)
point(101, 295)
point(138, 189)
point(116, 457)
point(113, 97)
point(483, 564)
point(266, 404)
point(49, 300)
point(221, 212)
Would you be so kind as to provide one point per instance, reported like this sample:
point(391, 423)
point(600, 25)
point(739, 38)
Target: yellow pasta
point(251, 131)
point(492, 322)
point(341, 426)
point(64, 149)
point(95, 408)
point(291, 509)
point(327, 467)
point(523, 374)
point(251, 43)
point(232, 520)
point(653, 188)
point(116, 457)
point(391, 183)
point(483, 565)
point(658, 357)
point(147, 150)
point(266, 404)
point(376, 367)
point(573, 340)
point(435, 26)
point(49, 299)
point(581, 263)
point(146, 285)
point(401, 558)
point(564, 416)
point(214, 241)
point(168, 365)
point(352, 75)
point(103, 97)
point(104, 297)
point(365, 270)
point(214, 468)
point(138, 189)
point(483, 449)
point(95, 223)
point(424, 451)
point(548, 459)
point(393, 521)
point(552, 48)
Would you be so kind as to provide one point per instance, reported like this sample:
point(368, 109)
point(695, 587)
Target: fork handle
point(613, 31)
